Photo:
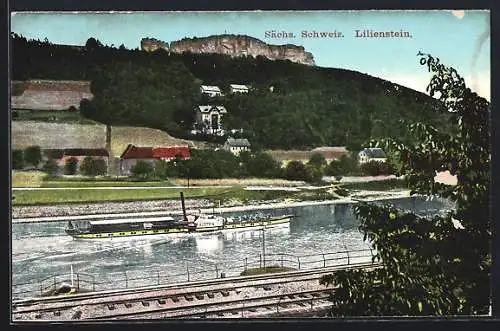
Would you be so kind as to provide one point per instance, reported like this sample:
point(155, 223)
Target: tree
point(33, 155)
point(71, 166)
point(316, 167)
point(263, 165)
point(17, 159)
point(51, 167)
point(296, 170)
point(437, 265)
point(348, 164)
point(317, 160)
point(142, 170)
point(334, 168)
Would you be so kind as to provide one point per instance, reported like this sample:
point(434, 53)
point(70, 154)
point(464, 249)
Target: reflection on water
point(41, 250)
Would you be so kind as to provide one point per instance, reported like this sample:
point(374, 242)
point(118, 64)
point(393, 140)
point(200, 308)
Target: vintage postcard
point(250, 164)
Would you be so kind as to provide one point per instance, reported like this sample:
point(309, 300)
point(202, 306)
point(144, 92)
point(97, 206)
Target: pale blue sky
point(454, 40)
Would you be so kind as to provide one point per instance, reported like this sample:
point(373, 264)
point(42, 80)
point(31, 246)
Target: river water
point(42, 250)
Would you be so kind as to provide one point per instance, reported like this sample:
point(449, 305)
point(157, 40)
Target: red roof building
point(133, 154)
point(168, 153)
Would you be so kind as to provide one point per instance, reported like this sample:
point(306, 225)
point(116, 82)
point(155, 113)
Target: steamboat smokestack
point(183, 207)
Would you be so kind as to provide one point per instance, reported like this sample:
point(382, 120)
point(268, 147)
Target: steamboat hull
point(235, 226)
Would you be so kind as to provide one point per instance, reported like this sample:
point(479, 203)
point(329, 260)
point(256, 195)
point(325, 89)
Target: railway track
point(194, 299)
point(258, 306)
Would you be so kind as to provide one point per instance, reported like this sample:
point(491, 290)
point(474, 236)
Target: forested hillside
point(290, 105)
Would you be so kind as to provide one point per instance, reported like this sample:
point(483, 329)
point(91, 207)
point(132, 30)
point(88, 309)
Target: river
point(42, 250)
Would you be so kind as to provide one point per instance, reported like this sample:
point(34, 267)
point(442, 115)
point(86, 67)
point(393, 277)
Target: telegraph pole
point(264, 245)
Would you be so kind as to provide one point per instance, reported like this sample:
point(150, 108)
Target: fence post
point(348, 259)
point(78, 281)
point(282, 260)
point(158, 274)
point(93, 283)
point(216, 272)
point(54, 282)
point(371, 256)
point(260, 260)
point(126, 279)
point(324, 260)
point(187, 268)
point(298, 260)
point(246, 263)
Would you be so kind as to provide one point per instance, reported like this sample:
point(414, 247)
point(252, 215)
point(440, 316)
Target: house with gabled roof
point(170, 153)
point(372, 154)
point(237, 88)
point(62, 155)
point(236, 146)
point(210, 90)
point(208, 119)
point(135, 154)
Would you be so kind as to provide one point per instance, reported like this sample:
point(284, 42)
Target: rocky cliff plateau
point(232, 45)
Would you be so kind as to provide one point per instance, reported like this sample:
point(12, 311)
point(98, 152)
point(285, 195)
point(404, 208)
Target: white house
point(236, 146)
point(210, 90)
point(236, 88)
point(208, 119)
point(372, 154)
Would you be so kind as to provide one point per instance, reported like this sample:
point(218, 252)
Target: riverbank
point(23, 214)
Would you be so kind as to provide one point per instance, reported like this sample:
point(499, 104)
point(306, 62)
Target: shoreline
point(200, 204)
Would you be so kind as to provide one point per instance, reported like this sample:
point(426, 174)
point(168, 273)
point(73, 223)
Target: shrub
point(93, 167)
point(71, 166)
point(296, 170)
point(33, 155)
point(142, 170)
point(17, 159)
point(51, 167)
point(374, 168)
point(371, 168)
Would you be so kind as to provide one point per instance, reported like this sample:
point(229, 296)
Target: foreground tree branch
point(439, 265)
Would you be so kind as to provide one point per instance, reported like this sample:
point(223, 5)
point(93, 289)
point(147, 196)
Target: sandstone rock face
point(232, 45)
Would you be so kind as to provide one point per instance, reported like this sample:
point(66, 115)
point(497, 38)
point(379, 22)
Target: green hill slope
point(290, 105)
point(64, 135)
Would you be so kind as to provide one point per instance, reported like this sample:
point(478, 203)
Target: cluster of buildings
point(134, 154)
point(208, 118)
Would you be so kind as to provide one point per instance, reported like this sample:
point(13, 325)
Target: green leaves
point(431, 268)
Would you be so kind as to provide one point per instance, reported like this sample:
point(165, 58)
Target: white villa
point(209, 119)
point(236, 146)
point(210, 90)
point(371, 154)
point(236, 88)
